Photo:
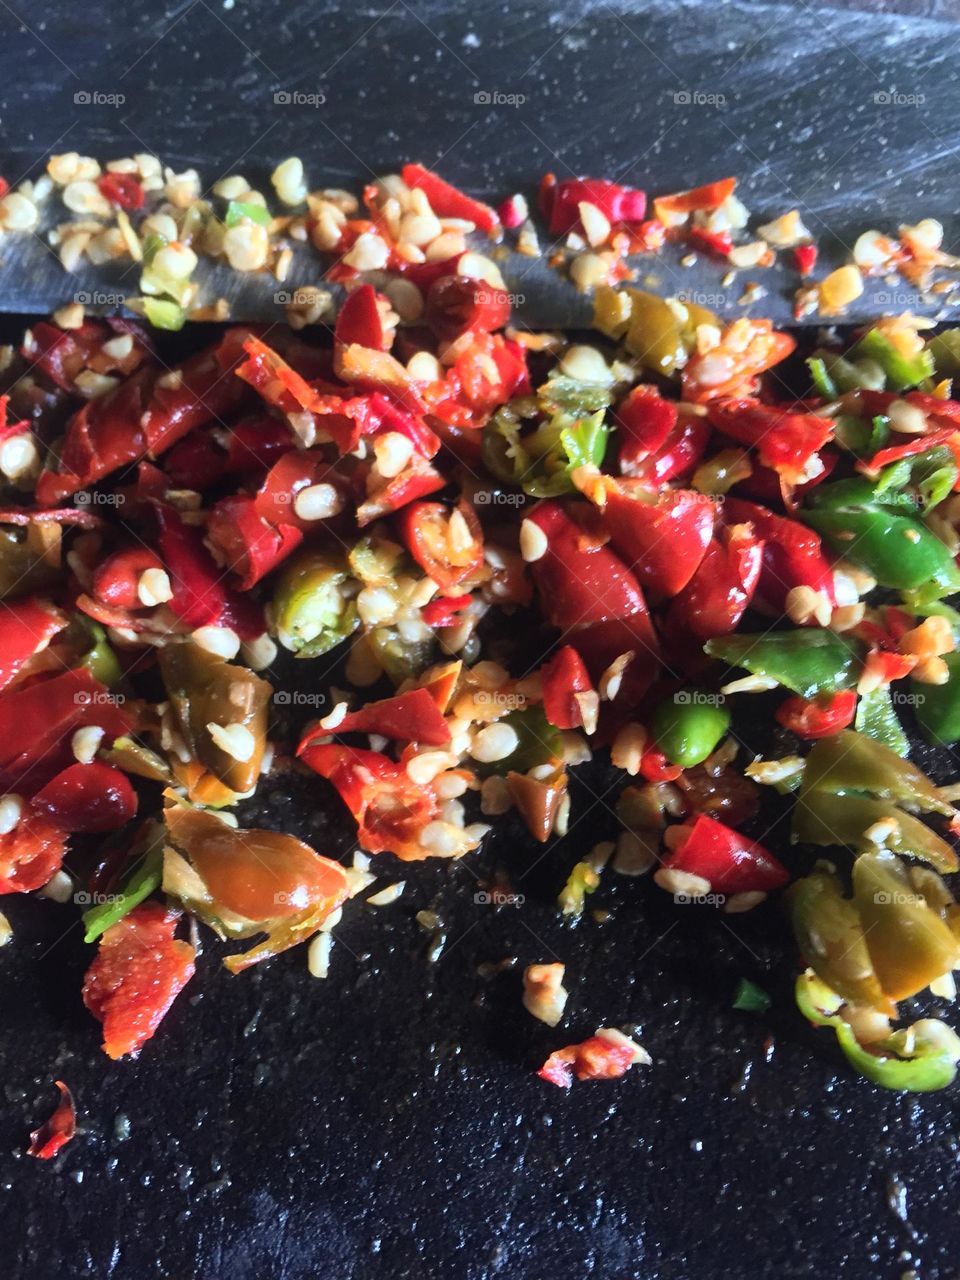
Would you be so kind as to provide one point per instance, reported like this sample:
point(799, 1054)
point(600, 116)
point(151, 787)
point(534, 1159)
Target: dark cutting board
point(387, 1122)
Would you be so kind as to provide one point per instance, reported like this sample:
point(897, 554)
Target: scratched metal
point(853, 131)
point(386, 1122)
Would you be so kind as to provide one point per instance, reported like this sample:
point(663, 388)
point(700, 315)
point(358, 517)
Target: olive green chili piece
point(310, 610)
point(204, 689)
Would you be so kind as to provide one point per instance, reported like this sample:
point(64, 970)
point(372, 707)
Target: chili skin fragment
point(58, 1130)
point(139, 970)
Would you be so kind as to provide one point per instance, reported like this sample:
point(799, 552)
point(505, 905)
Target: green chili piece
point(945, 350)
point(902, 371)
point(539, 742)
point(877, 718)
point(910, 944)
point(140, 882)
point(807, 661)
point(164, 314)
point(237, 210)
point(750, 998)
point(919, 1063)
point(823, 384)
point(310, 610)
point(99, 659)
point(845, 375)
point(688, 726)
point(825, 818)
point(938, 705)
point(897, 549)
point(582, 880)
point(851, 761)
point(829, 934)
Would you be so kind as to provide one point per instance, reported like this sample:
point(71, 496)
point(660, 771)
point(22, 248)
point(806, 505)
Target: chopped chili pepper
point(442, 612)
point(727, 860)
point(247, 881)
point(564, 680)
point(122, 190)
point(456, 305)
point(708, 197)
point(360, 320)
point(247, 544)
point(390, 810)
point(412, 717)
point(805, 256)
point(447, 201)
point(139, 970)
point(446, 544)
point(116, 580)
point(30, 854)
point(26, 629)
point(88, 797)
point(646, 421)
point(716, 242)
point(818, 717)
point(58, 1130)
point(663, 538)
point(787, 442)
point(616, 203)
point(792, 554)
point(201, 596)
point(604, 1056)
point(716, 597)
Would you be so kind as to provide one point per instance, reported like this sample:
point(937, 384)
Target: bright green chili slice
point(919, 1061)
point(877, 718)
point(901, 371)
point(808, 661)
point(237, 210)
point(688, 726)
point(143, 880)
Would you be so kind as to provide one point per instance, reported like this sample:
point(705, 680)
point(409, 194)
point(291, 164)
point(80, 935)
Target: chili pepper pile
point(672, 528)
